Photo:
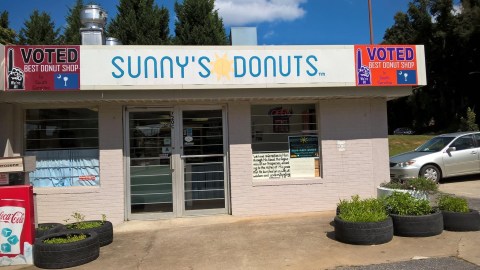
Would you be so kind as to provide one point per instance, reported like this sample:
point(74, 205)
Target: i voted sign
point(385, 65)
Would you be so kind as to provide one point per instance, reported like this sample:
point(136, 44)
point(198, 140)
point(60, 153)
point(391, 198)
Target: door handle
point(474, 152)
point(171, 164)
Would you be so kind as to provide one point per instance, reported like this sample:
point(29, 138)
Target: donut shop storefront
point(151, 132)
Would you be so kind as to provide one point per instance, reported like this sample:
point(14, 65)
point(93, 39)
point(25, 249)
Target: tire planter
point(363, 233)
point(56, 256)
point(105, 232)
point(461, 222)
point(418, 226)
point(55, 227)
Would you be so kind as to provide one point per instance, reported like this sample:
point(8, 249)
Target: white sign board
point(11, 165)
point(185, 67)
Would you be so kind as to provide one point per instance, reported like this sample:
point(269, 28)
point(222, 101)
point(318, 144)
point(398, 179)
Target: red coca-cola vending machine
point(17, 225)
point(17, 217)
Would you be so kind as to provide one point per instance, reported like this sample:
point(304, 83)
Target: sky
point(278, 22)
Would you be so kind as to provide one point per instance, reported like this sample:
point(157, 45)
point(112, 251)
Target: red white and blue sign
point(386, 65)
point(42, 68)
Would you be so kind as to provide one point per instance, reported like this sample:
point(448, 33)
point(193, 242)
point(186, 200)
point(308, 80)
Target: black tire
point(56, 256)
point(363, 233)
point(55, 227)
point(431, 172)
point(418, 226)
point(461, 222)
point(105, 232)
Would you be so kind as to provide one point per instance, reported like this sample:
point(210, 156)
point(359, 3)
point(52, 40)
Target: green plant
point(393, 185)
point(68, 238)
point(418, 184)
point(81, 224)
point(453, 204)
point(422, 184)
point(400, 203)
point(366, 210)
point(44, 227)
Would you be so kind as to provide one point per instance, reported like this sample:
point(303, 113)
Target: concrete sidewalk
point(295, 241)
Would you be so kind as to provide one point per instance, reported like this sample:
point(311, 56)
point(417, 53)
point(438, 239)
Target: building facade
point(150, 132)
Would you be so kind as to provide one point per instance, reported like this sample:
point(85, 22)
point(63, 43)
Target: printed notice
point(271, 165)
point(302, 167)
point(303, 146)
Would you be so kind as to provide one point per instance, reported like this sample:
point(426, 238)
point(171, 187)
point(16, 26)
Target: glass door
point(203, 160)
point(150, 144)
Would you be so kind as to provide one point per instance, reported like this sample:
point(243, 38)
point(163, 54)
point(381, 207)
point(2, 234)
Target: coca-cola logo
point(14, 218)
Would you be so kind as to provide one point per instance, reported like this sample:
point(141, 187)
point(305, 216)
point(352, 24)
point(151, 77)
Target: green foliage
point(140, 22)
point(81, 224)
point(394, 185)
point(64, 239)
point(418, 184)
point(198, 24)
point(468, 124)
point(453, 63)
point(7, 35)
point(404, 204)
point(71, 33)
point(453, 204)
point(39, 30)
point(421, 184)
point(44, 227)
point(367, 210)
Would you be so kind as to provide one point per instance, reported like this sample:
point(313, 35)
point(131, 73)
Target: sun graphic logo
point(222, 67)
point(303, 140)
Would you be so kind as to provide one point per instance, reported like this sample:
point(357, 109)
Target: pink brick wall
point(361, 123)
point(57, 204)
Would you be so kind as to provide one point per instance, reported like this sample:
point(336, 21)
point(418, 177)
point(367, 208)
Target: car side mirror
point(451, 148)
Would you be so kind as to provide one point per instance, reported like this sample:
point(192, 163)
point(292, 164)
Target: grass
point(404, 143)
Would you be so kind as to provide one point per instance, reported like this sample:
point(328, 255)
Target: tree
point(468, 124)
point(198, 24)
point(140, 22)
point(452, 55)
point(71, 34)
point(39, 30)
point(7, 35)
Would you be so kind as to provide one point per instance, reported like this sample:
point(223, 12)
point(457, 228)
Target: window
point(464, 142)
point(65, 142)
point(284, 141)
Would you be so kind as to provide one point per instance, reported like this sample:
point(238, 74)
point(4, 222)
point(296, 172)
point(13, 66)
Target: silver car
point(443, 156)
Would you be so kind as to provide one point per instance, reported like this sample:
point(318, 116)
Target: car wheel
point(431, 172)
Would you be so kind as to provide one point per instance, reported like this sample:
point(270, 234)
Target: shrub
point(45, 227)
point(367, 210)
point(81, 224)
point(405, 204)
point(452, 204)
point(422, 184)
point(68, 238)
point(418, 184)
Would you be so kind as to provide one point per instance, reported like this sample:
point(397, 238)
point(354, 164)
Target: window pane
point(284, 141)
point(272, 124)
point(65, 142)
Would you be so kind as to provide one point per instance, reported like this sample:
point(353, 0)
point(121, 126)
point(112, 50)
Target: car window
point(435, 144)
point(477, 139)
point(464, 142)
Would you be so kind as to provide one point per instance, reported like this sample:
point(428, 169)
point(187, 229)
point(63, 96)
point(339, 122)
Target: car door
point(476, 138)
point(464, 159)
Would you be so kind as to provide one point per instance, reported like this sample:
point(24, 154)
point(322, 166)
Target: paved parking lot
point(465, 186)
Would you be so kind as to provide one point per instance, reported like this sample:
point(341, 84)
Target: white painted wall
point(361, 123)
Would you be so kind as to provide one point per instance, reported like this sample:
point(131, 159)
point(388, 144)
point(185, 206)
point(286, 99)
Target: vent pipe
point(93, 19)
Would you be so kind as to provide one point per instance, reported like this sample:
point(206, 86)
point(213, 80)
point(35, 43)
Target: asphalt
point(293, 241)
